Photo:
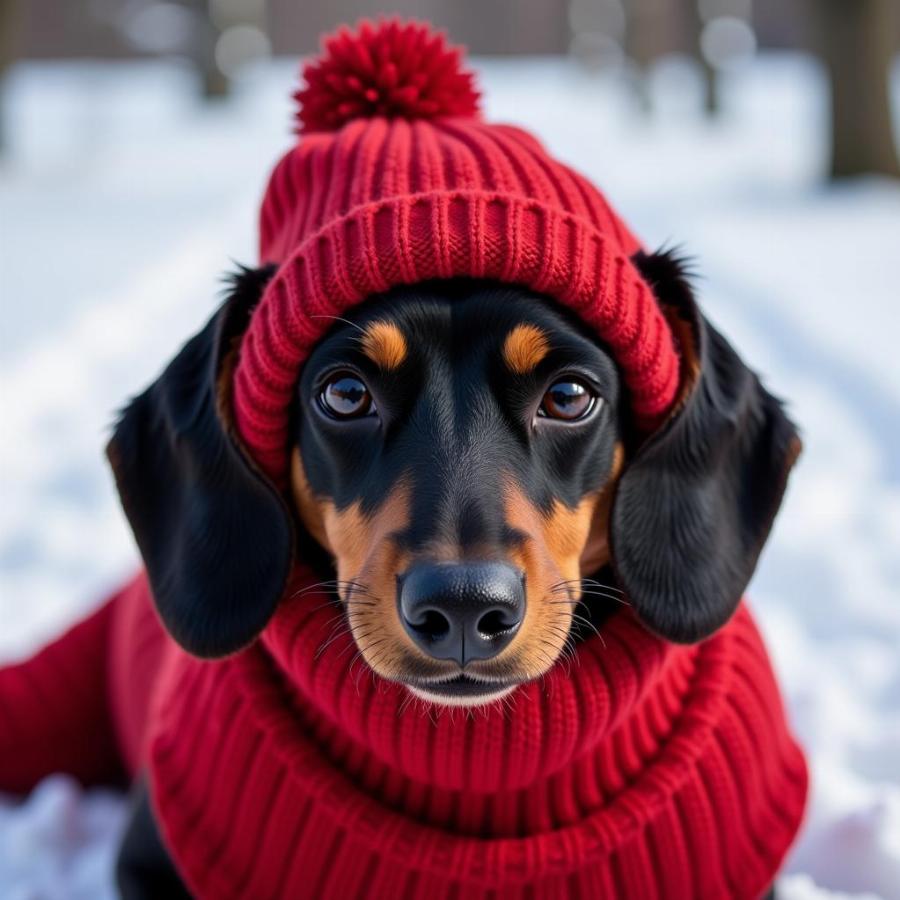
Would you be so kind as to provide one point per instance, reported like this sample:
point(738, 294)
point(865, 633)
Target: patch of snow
point(802, 887)
point(60, 843)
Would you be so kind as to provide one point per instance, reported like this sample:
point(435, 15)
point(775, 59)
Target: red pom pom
point(388, 68)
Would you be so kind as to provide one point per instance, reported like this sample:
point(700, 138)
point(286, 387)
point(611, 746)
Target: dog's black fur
point(210, 528)
point(144, 869)
point(692, 509)
point(696, 504)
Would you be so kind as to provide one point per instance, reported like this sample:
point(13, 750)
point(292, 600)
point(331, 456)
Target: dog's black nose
point(462, 611)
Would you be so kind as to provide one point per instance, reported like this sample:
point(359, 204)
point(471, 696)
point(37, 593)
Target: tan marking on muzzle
point(549, 557)
point(310, 510)
point(351, 536)
point(367, 561)
point(367, 556)
point(561, 546)
point(524, 348)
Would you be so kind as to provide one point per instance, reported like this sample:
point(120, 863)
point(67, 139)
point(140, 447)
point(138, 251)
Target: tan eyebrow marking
point(525, 346)
point(384, 344)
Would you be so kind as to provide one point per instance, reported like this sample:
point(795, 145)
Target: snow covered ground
point(122, 203)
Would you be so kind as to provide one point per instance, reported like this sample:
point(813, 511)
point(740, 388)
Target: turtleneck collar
point(510, 745)
point(642, 762)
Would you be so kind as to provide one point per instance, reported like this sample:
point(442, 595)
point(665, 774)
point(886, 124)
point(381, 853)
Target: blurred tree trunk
point(711, 99)
point(9, 32)
point(202, 50)
point(857, 40)
point(712, 104)
point(641, 46)
point(215, 82)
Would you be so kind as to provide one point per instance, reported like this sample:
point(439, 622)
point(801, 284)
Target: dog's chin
point(461, 691)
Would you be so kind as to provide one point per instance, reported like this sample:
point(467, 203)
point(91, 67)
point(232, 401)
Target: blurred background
point(760, 136)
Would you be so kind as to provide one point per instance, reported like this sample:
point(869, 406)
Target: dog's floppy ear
point(695, 505)
point(215, 536)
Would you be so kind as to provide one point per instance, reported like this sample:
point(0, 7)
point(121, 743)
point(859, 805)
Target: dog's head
point(462, 457)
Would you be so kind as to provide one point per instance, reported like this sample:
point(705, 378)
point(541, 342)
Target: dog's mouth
point(462, 690)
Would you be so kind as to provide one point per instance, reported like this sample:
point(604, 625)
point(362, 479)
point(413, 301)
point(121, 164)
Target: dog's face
point(456, 449)
point(463, 453)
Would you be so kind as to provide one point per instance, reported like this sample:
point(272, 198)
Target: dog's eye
point(569, 400)
point(346, 397)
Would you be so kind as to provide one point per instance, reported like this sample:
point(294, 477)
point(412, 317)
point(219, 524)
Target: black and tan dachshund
point(450, 572)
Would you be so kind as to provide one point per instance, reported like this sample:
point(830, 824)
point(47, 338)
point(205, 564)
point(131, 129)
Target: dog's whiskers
point(357, 640)
point(590, 582)
point(569, 651)
point(579, 619)
point(339, 319)
point(339, 630)
point(356, 658)
point(591, 593)
point(581, 622)
point(360, 656)
point(565, 653)
point(327, 585)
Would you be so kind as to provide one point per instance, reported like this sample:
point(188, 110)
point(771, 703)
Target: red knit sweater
point(646, 770)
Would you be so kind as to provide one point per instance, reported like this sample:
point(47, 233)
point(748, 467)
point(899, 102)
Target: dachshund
point(463, 467)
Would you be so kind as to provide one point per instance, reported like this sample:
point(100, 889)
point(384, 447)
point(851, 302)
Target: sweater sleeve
point(54, 710)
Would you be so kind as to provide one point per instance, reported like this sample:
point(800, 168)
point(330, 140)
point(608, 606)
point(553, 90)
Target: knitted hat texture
point(396, 179)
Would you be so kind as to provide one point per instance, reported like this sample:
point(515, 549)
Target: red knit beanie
point(396, 179)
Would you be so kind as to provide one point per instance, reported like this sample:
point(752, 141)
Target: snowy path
point(122, 204)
